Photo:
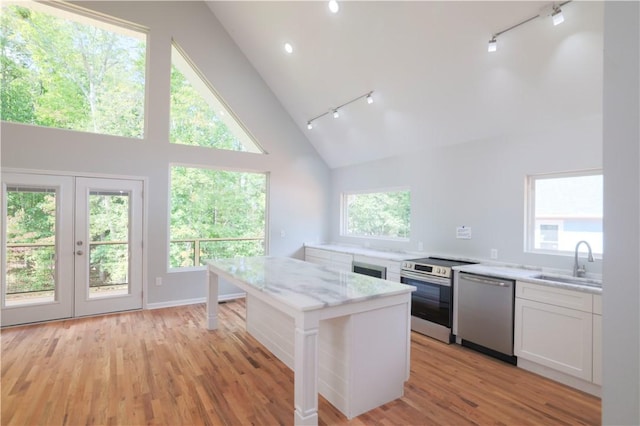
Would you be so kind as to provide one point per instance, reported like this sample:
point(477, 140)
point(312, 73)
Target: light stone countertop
point(302, 285)
point(363, 251)
point(507, 271)
point(586, 285)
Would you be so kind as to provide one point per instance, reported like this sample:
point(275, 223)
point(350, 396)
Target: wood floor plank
point(163, 367)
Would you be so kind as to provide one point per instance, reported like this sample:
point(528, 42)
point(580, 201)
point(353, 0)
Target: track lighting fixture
point(493, 44)
point(557, 16)
point(553, 9)
point(336, 111)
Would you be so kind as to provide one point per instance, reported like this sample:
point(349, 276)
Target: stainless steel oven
point(432, 302)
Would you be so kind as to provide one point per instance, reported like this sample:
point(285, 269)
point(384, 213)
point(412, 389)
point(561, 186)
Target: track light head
point(557, 16)
point(335, 111)
point(493, 45)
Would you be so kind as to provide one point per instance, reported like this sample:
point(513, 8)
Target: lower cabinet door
point(554, 336)
point(597, 349)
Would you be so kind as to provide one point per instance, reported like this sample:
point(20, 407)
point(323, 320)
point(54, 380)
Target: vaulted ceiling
point(434, 82)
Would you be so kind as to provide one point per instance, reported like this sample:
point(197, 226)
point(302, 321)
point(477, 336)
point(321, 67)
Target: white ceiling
point(434, 81)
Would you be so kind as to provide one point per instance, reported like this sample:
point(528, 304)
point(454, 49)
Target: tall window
point(377, 214)
point(65, 70)
point(216, 214)
point(564, 209)
point(198, 116)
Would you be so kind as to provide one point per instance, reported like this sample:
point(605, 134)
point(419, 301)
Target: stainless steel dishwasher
point(485, 314)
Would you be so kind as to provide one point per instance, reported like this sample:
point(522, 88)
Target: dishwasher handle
point(485, 281)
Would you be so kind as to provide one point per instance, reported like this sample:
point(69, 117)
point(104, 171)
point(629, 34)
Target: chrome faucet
point(580, 271)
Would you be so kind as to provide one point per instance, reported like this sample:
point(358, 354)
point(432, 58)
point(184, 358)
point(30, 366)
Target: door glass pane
point(31, 240)
point(109, 245)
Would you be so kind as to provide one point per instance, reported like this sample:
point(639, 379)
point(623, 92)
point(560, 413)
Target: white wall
point(621, 298)
point(480, 184)
point(299, 179)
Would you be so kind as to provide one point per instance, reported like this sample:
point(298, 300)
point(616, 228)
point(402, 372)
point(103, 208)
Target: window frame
point(267, 176)
point(196, 79)
point(530, 207)
point(344, 214)
point(83, 16)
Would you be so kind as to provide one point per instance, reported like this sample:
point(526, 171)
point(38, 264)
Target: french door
point(71, 246)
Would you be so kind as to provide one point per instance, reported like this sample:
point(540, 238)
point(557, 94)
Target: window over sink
point(377, 214)
point(563, 209)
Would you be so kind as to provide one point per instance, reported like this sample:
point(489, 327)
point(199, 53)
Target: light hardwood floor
point(165, 367)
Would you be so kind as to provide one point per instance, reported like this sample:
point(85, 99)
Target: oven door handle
point(427, 279)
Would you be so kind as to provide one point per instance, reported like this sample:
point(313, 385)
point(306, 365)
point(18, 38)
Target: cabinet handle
point(483, 281)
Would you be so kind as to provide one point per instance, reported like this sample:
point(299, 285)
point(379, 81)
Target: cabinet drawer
point(555, 296)
point(313, 252)
point(341, 261)
point(341, 258)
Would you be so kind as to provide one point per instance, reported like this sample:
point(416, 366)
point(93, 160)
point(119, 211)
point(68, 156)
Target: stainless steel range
point(432, 302)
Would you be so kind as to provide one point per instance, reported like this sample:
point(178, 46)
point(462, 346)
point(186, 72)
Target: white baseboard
point(184, 302)
point(561, 377)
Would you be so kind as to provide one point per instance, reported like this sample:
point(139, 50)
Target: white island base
point(362, 358)
point(344, 335)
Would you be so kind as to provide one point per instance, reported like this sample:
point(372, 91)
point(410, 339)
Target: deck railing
point(200, 249)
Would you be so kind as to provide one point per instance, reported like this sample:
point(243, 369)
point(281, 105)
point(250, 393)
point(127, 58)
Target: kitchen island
point(344, 335)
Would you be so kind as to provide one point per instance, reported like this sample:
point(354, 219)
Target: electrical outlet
point(494, 253)
point(283, 233)
point(158, 281)
point(420, 246)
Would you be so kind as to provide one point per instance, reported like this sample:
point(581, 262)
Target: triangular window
point(198, 116)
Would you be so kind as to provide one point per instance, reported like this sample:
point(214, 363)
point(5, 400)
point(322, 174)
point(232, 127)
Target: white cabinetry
point(597, 340)
point(335, 260)
point(554, 328)
point(341, 261)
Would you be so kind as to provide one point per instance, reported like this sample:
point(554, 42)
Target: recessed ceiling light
point(334, 7)
point(288, 47)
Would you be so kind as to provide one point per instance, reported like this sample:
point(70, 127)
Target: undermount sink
point(569, 280)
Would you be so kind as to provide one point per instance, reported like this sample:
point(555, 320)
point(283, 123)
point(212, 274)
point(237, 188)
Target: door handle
point(79, 252)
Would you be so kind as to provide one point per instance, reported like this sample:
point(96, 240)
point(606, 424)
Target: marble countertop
point(303, 285)
point(381, 254)
point(586, 285)
point(507, 271)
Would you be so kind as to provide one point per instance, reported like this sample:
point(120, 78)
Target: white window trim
point(530, 196)
point(344, 215)
point(267, 174)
